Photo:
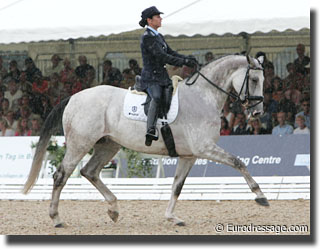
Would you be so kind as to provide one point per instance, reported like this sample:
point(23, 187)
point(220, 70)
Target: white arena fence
point(195, 188)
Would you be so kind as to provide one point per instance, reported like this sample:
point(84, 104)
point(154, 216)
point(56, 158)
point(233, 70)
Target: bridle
point(248, 98)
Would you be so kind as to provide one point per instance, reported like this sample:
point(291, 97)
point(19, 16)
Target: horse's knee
point(238, 164)
point(58, 177)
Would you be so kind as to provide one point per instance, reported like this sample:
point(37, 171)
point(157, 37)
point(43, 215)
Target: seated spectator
point(290, 81)
point(45, 107)
point(67, 72)
point(24, 85)
point(5, 130)
point(134, 67)
point(305, 104)
point(287, 106)
point(268, 75)
point(56, 67)
point(236, 108)
point(226, 110)
point(40, 86)
point(256, 127)
point(278, 95)
point(302, 128)
point(111, 75)
point(265, 59)
point(240, 125)
point(302, 61)
point(282, 128)
point(31, 70)
point(10, 117)
point(224, 129)
point(266, 120)
point(269, 102)
point(67, 90)
point(128, 79)
point(24, 102)
point(23, 128)
point(14, 72)
point(276, 83)
point(81, 70)
point(5, 105)
point(35, 126)
point(13, 94)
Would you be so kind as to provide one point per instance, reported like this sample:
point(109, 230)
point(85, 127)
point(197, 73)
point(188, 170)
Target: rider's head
point(151, 17)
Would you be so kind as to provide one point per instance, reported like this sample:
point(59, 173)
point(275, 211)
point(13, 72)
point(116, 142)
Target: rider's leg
point(155, 92)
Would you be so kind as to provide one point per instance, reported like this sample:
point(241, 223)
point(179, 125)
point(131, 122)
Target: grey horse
point(93, 118)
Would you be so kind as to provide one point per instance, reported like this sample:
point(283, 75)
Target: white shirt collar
point(153, 30)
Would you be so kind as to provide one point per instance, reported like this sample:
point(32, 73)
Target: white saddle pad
point(133, 109)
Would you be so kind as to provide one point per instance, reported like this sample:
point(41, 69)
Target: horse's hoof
point(181, 224)
point(60, 225)
point(262, 202)
point(113, 215)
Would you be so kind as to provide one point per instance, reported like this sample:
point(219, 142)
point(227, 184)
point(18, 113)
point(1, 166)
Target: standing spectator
point(134, 67)
point(265, 59)
point(302, 128)
point(67, 72)
point(302, 61)
point(208, 57)
point(14, 72)
point(13, 94)
point(90, 80)
point(31, 69)
point(224, 129)
point(56, 67)
point(305, 104)
point(111, 75)
point(240, 125)
point(282, 128)
point(128, 79)
point(5, 130)
point(3, 71)
point(55, 88)
point(81, 70)
point(23, 128)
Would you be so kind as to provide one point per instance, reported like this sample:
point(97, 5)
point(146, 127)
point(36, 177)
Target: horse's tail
point(52, 125)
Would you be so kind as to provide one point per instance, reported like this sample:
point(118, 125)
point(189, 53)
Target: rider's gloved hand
point(190, 62)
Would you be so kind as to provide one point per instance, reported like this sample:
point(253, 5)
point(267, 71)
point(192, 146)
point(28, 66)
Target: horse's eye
point(255, 80)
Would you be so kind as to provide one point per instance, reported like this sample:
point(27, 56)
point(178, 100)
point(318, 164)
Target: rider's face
point(155, 21)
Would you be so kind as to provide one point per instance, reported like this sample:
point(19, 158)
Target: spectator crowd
point(28, 95)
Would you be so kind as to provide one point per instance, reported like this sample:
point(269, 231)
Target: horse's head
point(248, 82)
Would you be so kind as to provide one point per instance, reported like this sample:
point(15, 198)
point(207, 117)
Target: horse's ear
point(250, 61)
point(260, 59)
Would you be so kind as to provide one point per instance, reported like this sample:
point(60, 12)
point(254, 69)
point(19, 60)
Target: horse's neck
point(220, 74)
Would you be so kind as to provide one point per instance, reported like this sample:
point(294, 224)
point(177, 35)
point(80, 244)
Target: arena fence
point(195, 188)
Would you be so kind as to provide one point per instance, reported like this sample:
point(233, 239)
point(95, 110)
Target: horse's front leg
point(217, 154)
point(182, 171)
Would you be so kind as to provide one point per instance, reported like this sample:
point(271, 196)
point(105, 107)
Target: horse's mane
point(220, 59)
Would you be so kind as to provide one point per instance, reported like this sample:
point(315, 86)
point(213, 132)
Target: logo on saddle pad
point(134, 110)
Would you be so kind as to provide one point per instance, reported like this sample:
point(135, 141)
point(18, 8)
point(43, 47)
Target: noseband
point(248, 98)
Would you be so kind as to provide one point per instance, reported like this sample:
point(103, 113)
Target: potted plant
point(108, 170)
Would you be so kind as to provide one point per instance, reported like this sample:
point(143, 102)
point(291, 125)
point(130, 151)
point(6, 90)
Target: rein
point(248, 97)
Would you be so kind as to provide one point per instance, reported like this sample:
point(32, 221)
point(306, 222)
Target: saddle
point(165, 106)
point(166, 102)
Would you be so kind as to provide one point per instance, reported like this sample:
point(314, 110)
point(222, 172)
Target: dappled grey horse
point(94, 118)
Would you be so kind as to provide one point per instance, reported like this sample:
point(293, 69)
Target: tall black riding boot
point(151, 123)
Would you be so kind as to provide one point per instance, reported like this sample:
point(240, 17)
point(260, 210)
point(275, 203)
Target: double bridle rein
point(248, 98)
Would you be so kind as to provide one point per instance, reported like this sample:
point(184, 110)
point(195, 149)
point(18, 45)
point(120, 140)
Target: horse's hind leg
point(104, 150)
point(183, 169)
point(74, 154)
point(219, 155)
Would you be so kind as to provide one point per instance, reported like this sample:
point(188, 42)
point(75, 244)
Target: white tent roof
point(38, 20)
